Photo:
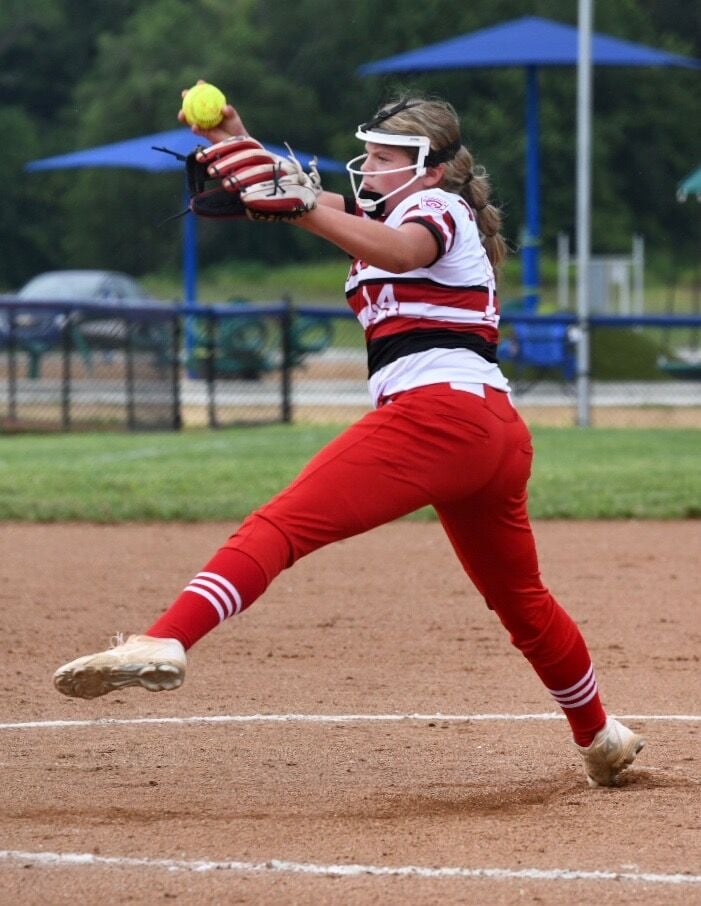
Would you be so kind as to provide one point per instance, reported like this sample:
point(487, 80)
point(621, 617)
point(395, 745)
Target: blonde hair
point(438, 120)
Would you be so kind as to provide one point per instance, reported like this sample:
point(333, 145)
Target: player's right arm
point(232, 124)
point(332, 200)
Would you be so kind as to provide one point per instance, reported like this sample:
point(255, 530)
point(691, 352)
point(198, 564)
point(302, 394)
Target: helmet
point(372, 202)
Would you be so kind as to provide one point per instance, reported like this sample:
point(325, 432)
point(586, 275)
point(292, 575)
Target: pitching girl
point(425, 243)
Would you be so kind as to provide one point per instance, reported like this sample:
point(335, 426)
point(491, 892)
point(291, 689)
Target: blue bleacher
point(537, 344)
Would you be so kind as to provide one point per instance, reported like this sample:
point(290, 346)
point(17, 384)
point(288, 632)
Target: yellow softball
point(202, 106)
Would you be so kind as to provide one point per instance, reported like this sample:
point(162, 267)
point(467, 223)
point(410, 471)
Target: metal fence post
point(129, 375)
point(584, 98)
point(563, 271)
point(175, 372)
point(12, 369)
point(286, 371)
point(66, 371)
point(638, 266)
point(212, 331)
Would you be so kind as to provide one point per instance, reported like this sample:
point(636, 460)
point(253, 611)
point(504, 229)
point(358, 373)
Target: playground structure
point(616, 282)
point(544, 346)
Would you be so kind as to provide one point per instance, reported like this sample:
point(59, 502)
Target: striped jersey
point(433, 324)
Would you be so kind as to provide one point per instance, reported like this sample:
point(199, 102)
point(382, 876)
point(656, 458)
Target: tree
point(77, 81)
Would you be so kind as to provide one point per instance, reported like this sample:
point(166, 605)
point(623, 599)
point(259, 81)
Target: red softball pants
point(467, 456)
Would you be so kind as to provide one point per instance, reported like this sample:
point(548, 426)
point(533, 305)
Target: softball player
point(425, 242)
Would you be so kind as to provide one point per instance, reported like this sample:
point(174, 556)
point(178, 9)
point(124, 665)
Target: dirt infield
point(475, 806)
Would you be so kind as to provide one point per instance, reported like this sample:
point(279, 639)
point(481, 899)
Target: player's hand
point(232, 124)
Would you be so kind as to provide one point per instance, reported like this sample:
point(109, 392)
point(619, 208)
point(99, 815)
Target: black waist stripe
point(385, 350)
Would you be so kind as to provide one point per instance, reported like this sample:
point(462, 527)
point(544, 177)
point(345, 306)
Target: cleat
point(613, 749)
point(154, 664)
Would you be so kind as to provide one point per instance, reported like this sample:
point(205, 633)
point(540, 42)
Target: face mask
point(370, 201)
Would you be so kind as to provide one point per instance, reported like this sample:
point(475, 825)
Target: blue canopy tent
point(530, 42)
point(139, 154)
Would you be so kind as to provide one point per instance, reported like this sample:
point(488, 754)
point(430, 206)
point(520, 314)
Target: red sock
point(572, 683)
point(582, 707)
point(228, 584)
point(559, 655)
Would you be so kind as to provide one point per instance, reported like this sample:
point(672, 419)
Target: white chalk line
point(153, 452)
point(81, 460)
point(347, 871)
point(318, 718)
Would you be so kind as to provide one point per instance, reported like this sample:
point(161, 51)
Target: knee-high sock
point(230, 582)
point(559, 655)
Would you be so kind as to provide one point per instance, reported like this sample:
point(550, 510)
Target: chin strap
point(378, 209)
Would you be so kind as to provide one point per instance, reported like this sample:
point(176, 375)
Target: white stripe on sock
point(580, 693)
point(582, 701)
point(229, 587)
point(218, 591)
point(212, 600)
point(584, 679)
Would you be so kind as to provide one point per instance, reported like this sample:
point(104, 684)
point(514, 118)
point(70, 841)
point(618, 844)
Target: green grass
point(211, 475)
point(311, 283)
point(616, 473)
point(322, 282)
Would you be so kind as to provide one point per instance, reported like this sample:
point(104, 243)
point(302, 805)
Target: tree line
point(76, 73)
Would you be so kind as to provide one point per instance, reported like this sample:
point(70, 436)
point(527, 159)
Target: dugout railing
point(70, 366)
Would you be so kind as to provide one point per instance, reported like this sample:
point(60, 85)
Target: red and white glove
point(271, 187)
point(228, 157)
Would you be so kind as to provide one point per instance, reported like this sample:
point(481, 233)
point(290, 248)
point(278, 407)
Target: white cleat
point(154, 664)
point(613, 749)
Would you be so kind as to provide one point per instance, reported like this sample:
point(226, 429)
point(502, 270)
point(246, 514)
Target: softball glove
point(270, 187)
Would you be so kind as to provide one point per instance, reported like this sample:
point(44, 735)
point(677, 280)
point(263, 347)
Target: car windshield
point(86, 286)
point(62, 286)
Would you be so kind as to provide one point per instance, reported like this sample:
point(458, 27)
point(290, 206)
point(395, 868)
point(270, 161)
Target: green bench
point(248, 346)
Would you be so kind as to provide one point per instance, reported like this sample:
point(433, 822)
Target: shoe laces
point(117, 640)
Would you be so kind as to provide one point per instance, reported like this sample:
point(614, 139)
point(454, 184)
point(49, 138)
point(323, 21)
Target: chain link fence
point(644, 371)
point(78, 367)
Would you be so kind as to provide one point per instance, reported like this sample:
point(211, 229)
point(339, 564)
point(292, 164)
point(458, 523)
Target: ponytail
point(472, 183)
point(438, 120)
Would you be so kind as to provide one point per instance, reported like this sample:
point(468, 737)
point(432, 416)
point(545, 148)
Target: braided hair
point(437, 119)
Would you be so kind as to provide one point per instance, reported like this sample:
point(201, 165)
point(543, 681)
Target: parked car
point(85, 286)
point(38, 332)
point(76, 286)
point(95, 286)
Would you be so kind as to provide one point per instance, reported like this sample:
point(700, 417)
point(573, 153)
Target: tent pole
point(530, 243)
point(189, 276)
point(584, 105)
point(189, 255)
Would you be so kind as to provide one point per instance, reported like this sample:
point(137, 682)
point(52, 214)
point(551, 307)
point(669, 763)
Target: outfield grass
point(323, 281)
point(222, 475)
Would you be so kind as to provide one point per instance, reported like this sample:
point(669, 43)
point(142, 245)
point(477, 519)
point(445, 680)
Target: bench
point(247, 346)
point(680, 370)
